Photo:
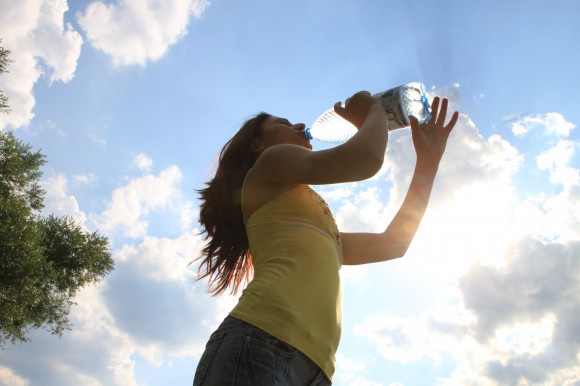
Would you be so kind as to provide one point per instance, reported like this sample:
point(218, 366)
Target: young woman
point(264, 224)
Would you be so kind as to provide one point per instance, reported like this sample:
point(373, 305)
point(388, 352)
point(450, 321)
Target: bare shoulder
point(258, 190)
point(270, 176)
point(282, 164)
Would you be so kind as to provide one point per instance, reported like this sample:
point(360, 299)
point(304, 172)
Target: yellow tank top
point(295, 294)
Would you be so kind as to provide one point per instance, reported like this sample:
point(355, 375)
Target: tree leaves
point(44, 262)
point(4, 60)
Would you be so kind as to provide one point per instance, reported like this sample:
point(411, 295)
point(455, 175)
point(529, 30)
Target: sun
point(474, 225)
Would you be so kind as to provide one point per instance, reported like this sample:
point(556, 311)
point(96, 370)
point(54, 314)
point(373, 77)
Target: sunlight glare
point(472, 226)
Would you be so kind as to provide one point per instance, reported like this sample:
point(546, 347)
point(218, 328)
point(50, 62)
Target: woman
point(261, 217)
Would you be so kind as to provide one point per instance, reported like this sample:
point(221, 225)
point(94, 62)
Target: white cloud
point(530, 338)
point(354, 273)
point(106, 350)
point(556, 156)
point(516, 324)
point(556, 160)
point(130, 203)
point(527, 313)
point(9, 378)
point(362, 212)
point(513, 317)
point(57, 200)
point(399, 339)
point(40, 42)
point(554, 124)
point(360, 381)
point(138, 31)
point(554, 216)
point(143, 162)
point(469, 215)
point(155, 300)
point(84, 179)
point(348, 372)
point(150, 308)
point(162, 259)
point(469, 159)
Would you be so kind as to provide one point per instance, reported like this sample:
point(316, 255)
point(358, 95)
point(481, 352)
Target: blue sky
point(131, 101)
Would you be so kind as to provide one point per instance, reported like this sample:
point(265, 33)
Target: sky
point(131, 101)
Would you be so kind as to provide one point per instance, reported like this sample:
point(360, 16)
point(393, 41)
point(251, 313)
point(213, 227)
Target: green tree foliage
point(4, 60)
point(44, 262)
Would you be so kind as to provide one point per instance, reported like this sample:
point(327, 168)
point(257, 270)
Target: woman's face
point(276, 131)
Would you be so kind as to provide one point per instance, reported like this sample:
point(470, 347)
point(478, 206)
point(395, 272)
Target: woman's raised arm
point(429, 141)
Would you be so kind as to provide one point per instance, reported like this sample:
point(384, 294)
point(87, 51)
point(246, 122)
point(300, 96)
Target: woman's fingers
point(438, 115)
point(442, 113)
point(452, 122)
point(434, 109)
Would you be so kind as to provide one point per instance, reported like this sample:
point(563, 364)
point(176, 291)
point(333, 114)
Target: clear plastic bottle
point(399, 103)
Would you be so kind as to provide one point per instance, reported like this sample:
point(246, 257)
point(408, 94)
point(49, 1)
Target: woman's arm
point(359, 158)
point(429, 141)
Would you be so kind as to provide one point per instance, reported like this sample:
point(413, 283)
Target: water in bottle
point(399, 103)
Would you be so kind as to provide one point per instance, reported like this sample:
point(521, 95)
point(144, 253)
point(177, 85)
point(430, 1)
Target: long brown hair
point(226, 258)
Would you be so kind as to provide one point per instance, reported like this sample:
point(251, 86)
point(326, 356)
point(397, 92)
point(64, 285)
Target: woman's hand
point(356, 108)
point(430, 138)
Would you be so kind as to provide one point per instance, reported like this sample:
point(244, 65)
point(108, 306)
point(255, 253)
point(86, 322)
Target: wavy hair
point(226, 258)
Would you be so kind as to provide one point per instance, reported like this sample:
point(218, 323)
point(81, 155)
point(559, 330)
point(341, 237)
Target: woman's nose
point(300, 126)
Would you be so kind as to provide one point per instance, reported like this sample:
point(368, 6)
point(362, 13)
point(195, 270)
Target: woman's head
point(238, 153)
point(257, 134)
point(276, 131)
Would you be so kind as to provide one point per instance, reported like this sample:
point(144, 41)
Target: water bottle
point(399, 103)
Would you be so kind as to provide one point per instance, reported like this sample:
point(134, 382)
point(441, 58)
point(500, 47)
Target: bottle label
point(391, 100)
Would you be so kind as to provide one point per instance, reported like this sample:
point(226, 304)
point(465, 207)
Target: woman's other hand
point(430, 138)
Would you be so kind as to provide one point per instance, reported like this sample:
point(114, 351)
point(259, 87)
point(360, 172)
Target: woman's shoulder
point(257, 191)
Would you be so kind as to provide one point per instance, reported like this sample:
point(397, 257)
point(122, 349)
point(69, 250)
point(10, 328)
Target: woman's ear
point(257, 146)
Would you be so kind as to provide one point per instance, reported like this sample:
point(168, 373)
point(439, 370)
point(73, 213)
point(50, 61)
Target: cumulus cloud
point(517, 324)
point(360, 381)
point(58, 201)
point(362, 212)
point(537, 287)
point(137, 31)
point(130, 203)
point(40, 44)
point(472, 165)
point(9, 378)
point(154, 299)
point(397, 338)
point(507, 316)
point(555, 216)
point(95, 352)
point(348, 372)
point(508, 310)
point(135, 313)
point(557, 159)
point(536, 280)
point(84, 179)
point(552, 123)
point(143, 162)
point(150, 309)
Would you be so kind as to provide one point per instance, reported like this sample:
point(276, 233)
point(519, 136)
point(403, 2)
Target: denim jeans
point(241, 354)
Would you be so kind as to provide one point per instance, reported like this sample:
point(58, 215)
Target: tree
point(4, 60)
point(44, 261)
